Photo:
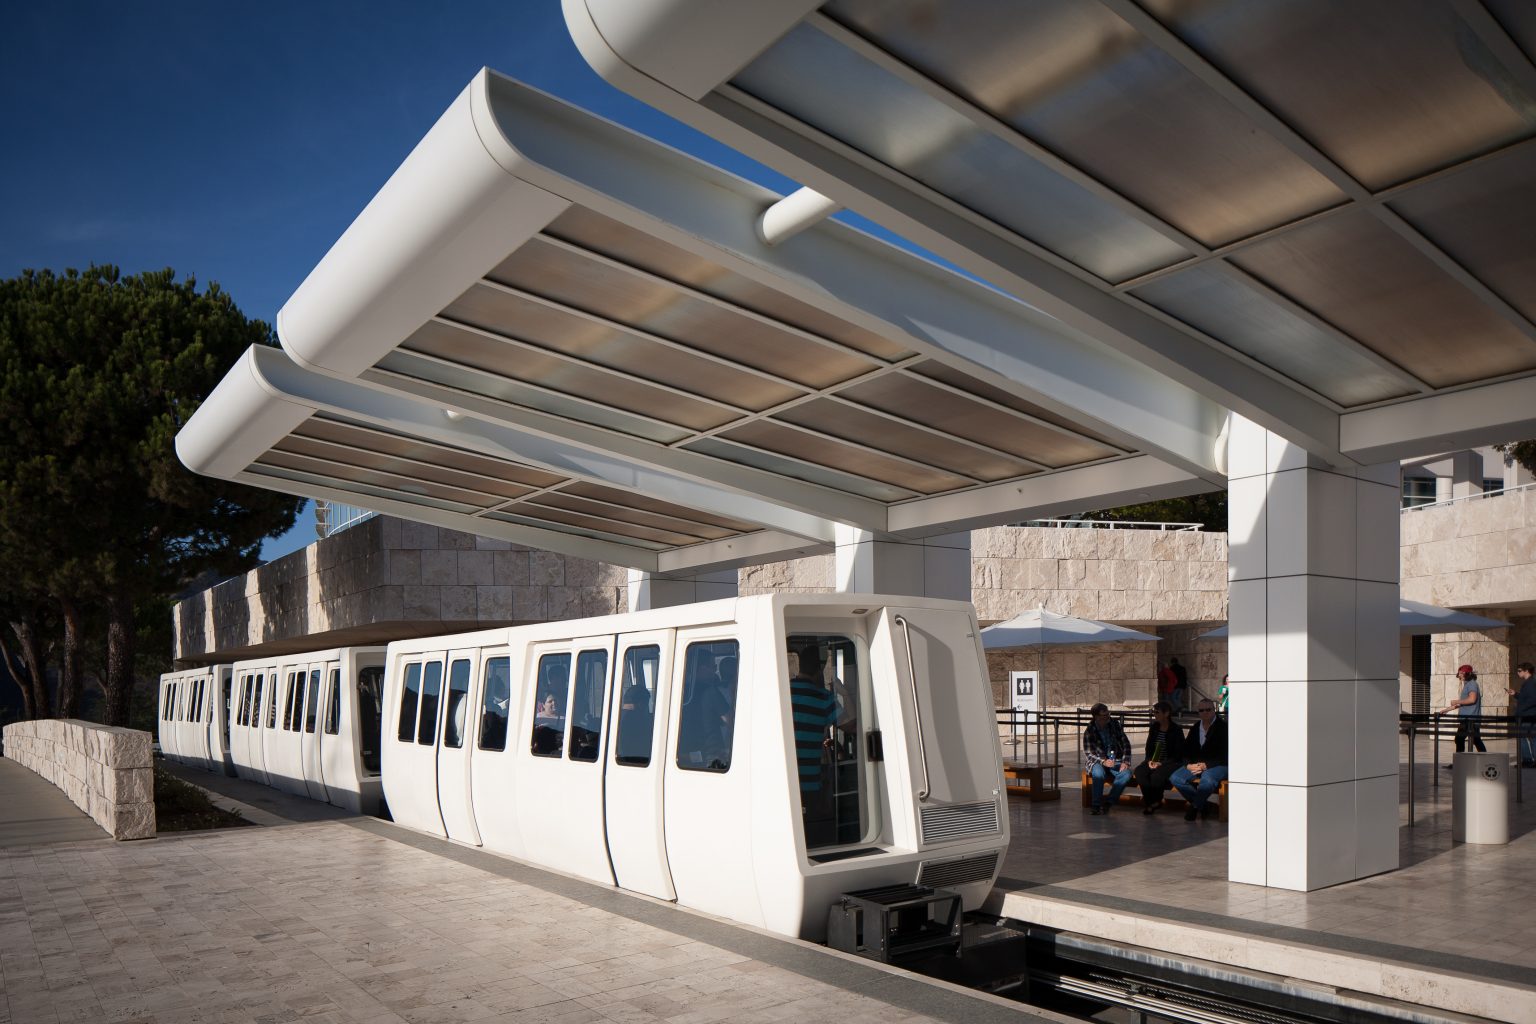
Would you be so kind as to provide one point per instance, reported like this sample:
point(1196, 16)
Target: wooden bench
point(1132, 795)
point(1023, 779)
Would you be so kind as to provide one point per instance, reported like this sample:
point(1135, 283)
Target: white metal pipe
point(793, 214)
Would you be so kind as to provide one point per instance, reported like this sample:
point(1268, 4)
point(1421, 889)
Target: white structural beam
point(867, 563)
point(1488, 414)
point(524, 157)
point(736, 552)
point(647, 590)
point(938, 224)
point(1128, 481)
point(266, 396)
point(1313, 652)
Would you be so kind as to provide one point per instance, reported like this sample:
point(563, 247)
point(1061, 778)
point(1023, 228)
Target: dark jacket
point(1173, 747)
point(1214, 752)
point(1116, 746)
point(1525, 700)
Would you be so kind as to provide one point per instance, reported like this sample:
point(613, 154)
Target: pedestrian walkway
point(1452, 929)
point(34, 810)
point(360, 920)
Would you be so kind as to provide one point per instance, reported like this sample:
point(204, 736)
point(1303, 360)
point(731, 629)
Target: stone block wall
point(105, 771)
point(1139, 578)
point(388, 578)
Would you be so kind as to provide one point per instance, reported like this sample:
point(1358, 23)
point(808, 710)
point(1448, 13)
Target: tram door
point(633, 766)
point(453, 753)
point(309, 734)
point(412, 747)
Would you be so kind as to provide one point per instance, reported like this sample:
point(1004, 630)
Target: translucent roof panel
point(1306, 212)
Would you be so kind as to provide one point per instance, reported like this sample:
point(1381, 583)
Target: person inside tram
point(814, 709)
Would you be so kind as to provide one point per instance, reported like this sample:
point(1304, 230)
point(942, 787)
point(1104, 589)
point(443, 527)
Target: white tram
point(751, 758)
point(308, 724)
point(193, 719)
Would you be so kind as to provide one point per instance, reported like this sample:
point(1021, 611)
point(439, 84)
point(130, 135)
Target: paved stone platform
point(1454, 928)
point(360, 920)
point(34, 810)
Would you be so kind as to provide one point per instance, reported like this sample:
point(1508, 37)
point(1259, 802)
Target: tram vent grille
point(979, 868)
point(959, 821)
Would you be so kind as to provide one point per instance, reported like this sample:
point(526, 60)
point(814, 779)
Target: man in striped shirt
point(814, 711)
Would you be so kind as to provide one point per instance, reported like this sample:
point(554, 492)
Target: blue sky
point(235, 143)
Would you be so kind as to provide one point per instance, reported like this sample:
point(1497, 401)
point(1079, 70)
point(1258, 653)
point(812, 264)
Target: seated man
point(1206, 749)
point(1108, 751)
point(1164, 753)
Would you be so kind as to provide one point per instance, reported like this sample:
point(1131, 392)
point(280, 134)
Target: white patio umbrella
point(1417, 618)
point(1038, 628)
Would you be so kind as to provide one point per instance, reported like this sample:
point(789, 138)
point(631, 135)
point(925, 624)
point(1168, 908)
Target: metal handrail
point(1469, 497)
point(917, 711)
point(1113, 524)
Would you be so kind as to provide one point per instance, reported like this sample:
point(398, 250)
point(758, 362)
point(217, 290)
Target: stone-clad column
point(1313, 645)
point(932, 567)
point(647, 591)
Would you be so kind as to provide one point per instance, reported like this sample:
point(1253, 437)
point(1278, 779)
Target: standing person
point(1222, 694)
point(1469, 711)
point(814, 709)
point(1167, 682)
point(1206, 750)
point(1164, 754)
point(1108, 751)
point(1525, 713)
point(1180, 685)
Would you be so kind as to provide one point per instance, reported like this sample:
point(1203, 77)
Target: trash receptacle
point(1480, 799)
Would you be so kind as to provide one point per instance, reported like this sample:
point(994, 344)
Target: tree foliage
point(1209, 510)
point(1523, 452)
point(98, 372)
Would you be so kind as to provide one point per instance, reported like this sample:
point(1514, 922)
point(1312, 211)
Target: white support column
point(1313, 647)
point(932, 567)
point(647, 591)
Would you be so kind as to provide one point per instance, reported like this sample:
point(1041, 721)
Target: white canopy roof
point(1038, 627)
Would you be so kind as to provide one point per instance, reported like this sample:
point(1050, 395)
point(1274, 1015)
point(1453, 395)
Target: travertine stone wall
point(1474, 554)
point(1477, 556)
point(1138, 578)
point(386, 578)
point(103, 770)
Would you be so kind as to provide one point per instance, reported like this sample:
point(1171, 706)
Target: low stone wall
point(105, 771)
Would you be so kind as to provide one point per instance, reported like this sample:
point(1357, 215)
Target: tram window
point(197, 701)
point(637, 706)
point(370, 711)
point(587, 704)
point(549, 698)
point(225, 687)
point(409, 697)
point(255, 716)
point(242, 695)
point(172, 715)
point(824, 701)
point(333, 704)
point(312, 704)
point(288, 699)
point(493, 710)
point(431, 686)
point(708, 718)
point(458, 700)
point(272, 703)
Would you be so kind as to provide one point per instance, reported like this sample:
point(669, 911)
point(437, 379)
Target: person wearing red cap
point(1469, 711)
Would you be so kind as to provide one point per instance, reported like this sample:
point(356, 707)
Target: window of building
point(458, 701)
point(587, 704)
point(637, 706)
point(549, 702)
point(497, 701)
point(1418, 490)
point(707, 724)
